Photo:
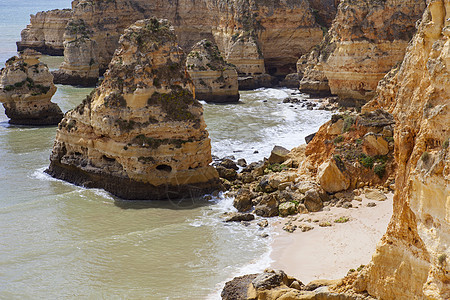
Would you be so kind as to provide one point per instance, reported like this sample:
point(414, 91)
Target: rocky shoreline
point(141, 134)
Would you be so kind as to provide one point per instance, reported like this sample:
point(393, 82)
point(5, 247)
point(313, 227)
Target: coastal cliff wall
point(412, 260)
point(257, 36)
point(140, 134)
point(45, 33)
point(366, 40)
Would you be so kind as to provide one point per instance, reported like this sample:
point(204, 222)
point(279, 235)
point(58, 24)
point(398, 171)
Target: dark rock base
point(127, 188)
point(217, 98)
point(66, 79)
point(236, 289)
point(44, 49)
point(43, 118)
point(257, 81)
point(291, 81)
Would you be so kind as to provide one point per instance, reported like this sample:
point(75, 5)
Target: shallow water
point(63, 241)
point(60, 241)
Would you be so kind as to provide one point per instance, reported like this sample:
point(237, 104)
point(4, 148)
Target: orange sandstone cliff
point(412, 260)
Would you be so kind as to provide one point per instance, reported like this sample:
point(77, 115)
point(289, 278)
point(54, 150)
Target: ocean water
point(14, 16)
point(60, 241)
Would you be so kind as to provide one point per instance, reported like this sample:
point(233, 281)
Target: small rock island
point(26, 88)
point(140, 134)
point(215, 80)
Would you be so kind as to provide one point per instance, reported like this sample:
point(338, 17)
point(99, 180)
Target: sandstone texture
point(310, 67)
point(80, 65)
point(45, 33)
point(336, 156)
point(275, 284)
point(213, 78)
point(140, 134)
point(366, 40)
point(26, 88)
point(412, 260)
point(258, 37)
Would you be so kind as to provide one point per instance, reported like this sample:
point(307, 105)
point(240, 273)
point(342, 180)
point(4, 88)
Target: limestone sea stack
point(214, 79)
point(140, 134)
point(80, 65)
point(26, 88)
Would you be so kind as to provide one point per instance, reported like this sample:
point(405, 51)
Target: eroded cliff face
point(141, 134)
point(214, 79)
point(45, 32)
point(350, 151)
point(80, 65)
point(366, 40)
point(26, 88)
point(257, 36)
point(412, 260)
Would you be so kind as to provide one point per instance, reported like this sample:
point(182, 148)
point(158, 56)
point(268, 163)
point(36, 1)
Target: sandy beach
point(329, 252)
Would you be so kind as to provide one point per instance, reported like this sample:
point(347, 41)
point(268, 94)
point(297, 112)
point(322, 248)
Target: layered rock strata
point(366, 40)
point(26, 88)
point(213, 78)
point(350, 151)
point(371, 37)
point(80, 65)
point(140, 134)
point(310, 67)
point(248, 32)
point(45, 32)
point(412, 259)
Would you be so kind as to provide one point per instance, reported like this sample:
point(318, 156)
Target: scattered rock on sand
point(375, 195)
point(324, 224)
point(312, 201)
point(305, 227)
point(290, 228)
point(287, 208)
point(263, 223)
point(331, 178)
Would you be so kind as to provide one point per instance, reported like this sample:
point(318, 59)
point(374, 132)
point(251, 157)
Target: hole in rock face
point(108, 158)
point(165, 168)
point(272, 70)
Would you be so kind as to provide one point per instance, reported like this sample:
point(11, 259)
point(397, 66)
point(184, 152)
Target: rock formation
point(249, 33)
point(412, 260)
point(351, 150)
point(366, 40)
point(26, 88)
point(214, 79)
point(45, 32)
point(310, 67)
point(140, 134)
point(80, 66)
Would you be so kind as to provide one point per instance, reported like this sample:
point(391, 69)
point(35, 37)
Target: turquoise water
point(60, 241)
point(14, 16)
